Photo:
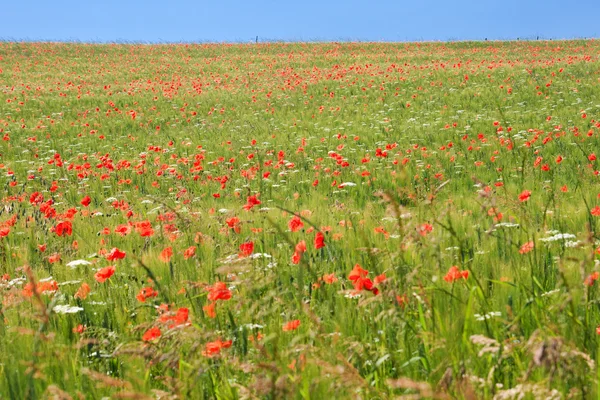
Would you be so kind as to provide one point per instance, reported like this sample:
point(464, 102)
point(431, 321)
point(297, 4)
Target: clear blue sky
point(243, 20)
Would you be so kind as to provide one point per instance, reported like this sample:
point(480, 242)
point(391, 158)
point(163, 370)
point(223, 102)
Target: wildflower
point(189, 252)
point(151, 334)
point(526, 248)
point(295, 224)
point(524, 196)
point(104, 273)
point(115, 254)
point(40, 288)
point(209, 309)
point(146, 293)
point(177, 319)
point(596, 211)
point(166, 254)
point(123, 230)
point(300, 249)
point(86, 201)
point(214, 348)
point(64, 228)
point(454, 273)
point(593, 277)
point(251, 201)
point(425, 229)
point(83, 291)
point(246, 249)
point(319, 240)
point(291, 325)
point(234, 223)
point(144, 228)
point(218, 291)
point(329, 278)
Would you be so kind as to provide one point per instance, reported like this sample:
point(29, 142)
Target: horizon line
point(258, 40)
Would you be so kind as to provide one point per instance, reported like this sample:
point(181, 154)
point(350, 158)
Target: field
point(292, 220)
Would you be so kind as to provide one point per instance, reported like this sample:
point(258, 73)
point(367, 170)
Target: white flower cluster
point(489, 315)
point(558, 236)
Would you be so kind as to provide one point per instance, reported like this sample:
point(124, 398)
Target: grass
point(210, 165)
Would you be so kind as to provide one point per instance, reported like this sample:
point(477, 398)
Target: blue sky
point(243, 20)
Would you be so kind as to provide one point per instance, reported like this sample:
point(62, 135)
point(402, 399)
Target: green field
point(294, 220)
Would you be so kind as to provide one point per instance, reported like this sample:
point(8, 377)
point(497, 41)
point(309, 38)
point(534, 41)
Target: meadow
point(295, 220)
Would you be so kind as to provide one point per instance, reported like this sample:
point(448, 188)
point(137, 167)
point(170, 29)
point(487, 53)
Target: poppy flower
point(146, 293)
point(295, 224)
point(251, 201)
point(233, 223)
point(151, 334)
point(246, 249)
point(524, 196)
point(593, 277)
point(86, 201)
point(189, 252)
point(212, 349)
point(319, 240)
point(291, 325)
point(454, 274)
point(54, 258)
point(123, 230)
point(4, 232)
point(166, 254)
point(596, 211)
point(526, 248)
point(180, 317)
point(218, 291)
point(64, 228)
point(144, 228)
point(83, 291)
point(104, 273)
point(209, 309)
point(115, 254)
point(299, 250)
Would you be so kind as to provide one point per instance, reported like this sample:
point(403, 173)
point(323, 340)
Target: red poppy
point(526, 248)
point(246, 249)
point(144, 228)
point(251, 201)
point(291, 325)
point(209, 309)
point(319, 240)
point(166, 254)
point(300, 249)
point(115, 254)
point(218, 291)
point(454, 273)
point(86, 201)
point(146, 293)
point(4, 231)
point(83, 291)
point(179, 318)
point(64, 228)
point(295, 224)
point(104, 273)
point(329, 278)
point(151, 334)
point(189, 252)
point(214, 348)
point(596, 211)
point(524, 196)
point(123, 230)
